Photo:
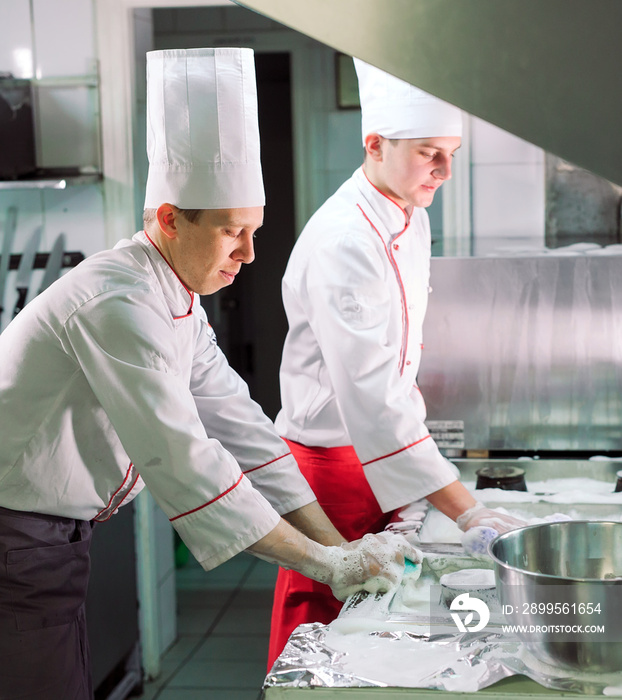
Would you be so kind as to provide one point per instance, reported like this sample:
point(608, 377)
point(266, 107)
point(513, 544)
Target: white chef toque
point(202, 129)
point(397, 110)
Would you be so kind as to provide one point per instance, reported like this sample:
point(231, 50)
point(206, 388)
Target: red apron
point(336, 476)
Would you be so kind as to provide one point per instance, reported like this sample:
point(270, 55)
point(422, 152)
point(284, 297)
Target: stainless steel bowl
point(576, 565)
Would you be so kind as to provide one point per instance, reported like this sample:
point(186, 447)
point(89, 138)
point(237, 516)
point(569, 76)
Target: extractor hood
point(545, 70)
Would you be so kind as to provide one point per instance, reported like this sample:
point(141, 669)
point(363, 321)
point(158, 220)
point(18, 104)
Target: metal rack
point(51, 179)
point(70, 259)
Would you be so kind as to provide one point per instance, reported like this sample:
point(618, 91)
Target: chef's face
point(208, 254)
point(411, 170)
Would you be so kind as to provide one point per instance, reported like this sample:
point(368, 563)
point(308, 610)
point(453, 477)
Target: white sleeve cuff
point(409, 475)
point(227, 526)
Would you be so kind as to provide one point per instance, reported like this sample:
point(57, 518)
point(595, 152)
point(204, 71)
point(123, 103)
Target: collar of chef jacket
point(179, 298)
point(387, 217)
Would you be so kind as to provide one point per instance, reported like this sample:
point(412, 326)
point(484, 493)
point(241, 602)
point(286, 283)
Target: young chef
point(112, 379)
point(355, 291)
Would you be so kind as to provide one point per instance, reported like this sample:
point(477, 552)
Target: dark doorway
point(248, 317)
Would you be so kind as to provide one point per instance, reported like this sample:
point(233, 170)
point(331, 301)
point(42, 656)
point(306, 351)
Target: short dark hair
point(191, 215)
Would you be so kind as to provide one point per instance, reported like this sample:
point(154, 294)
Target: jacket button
point(396, 246)
point(407, 362)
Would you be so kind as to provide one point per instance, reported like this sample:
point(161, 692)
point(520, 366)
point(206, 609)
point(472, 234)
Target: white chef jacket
point(112, 379)
point(355, 292)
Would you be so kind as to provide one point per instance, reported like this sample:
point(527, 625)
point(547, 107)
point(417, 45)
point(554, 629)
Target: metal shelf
point(51, 180)
point(70, 259)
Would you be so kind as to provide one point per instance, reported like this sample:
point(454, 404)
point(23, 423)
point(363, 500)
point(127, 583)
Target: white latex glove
point(374, 563)
point(407, 521)
point(480, 516)
point(476, 540)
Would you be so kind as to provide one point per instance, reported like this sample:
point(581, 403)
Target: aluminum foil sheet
point(401, 652)
point(316, 656)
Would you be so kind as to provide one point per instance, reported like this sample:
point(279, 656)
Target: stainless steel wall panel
point(526, 351)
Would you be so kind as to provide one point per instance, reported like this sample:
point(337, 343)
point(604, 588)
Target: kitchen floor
point(223, 623)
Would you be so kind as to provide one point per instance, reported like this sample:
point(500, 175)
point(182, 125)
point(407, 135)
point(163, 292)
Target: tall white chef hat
point(202, 129)
point(397, 110)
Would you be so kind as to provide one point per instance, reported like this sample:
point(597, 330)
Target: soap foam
point(353, 566)
point(468, 579)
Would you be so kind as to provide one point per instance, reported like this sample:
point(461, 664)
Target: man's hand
point(374, 563)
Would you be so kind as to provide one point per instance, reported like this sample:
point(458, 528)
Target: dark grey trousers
point(44, 572)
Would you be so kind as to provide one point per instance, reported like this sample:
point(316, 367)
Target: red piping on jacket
point(261, 466)
point(194, 510)
point(405, 321)
point(118, 505)
point(377, 459)
point(189, 312)
point(386, 196)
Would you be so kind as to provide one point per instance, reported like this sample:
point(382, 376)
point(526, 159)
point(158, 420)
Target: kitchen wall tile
point(29, 215)
point(334, 179)
point(67, 127)
point(64, 37)
point(492, 145)
point(16, 45)
point(508, 200)
point(75, 211)
point(345, 149)
point(78, 212)
point(29, 205)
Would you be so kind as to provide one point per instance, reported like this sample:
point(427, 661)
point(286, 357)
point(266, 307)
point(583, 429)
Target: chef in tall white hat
point(355, 291)
point(112, 379)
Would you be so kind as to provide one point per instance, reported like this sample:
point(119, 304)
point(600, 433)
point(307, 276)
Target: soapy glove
point(480, 516)
point(476, 540)
point(374, 563)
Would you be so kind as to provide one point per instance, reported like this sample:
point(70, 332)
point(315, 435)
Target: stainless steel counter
point(516, 686)
point(594, 499)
